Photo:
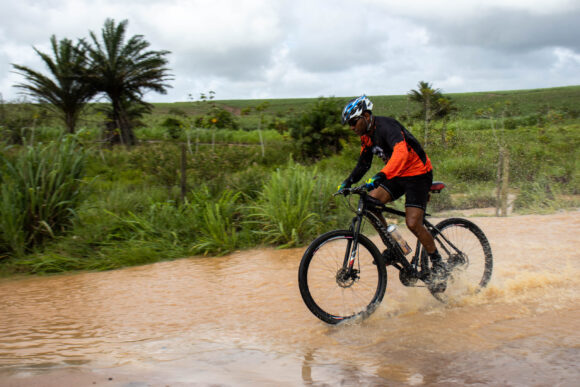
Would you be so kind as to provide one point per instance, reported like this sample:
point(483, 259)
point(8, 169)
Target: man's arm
point(363, 164)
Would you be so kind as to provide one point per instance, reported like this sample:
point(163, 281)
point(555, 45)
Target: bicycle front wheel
point(467, 254)
point(328, 290)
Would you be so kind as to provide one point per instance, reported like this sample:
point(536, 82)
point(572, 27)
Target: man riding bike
point(407, 171)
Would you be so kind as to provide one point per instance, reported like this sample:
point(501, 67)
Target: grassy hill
point(524, 102)
point(238, 194)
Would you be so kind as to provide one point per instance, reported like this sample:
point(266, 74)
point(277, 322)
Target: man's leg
point(381, 194)
point(414, 220)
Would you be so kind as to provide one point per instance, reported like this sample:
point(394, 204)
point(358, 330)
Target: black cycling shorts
point(415, 188)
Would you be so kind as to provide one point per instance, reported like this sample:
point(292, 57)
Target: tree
point(318, 132)
point(427, 97)
point(63, 89)
point(124, 70)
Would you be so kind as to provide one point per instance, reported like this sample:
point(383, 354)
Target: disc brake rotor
point(344, 280)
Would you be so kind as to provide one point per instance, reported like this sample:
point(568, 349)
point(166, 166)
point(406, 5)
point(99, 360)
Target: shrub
point(217, 117)
point(162, 162)
point(173, 126)
point(467, 168)
point(539, 195)
point(40, 193)
point(219, 223)
point(318, 132)
point(19, 120)
point(287, 212)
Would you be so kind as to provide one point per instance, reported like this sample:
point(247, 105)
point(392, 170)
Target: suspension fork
point(352, 245)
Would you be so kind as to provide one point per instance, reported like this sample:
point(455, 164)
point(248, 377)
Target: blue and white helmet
point(356, 107)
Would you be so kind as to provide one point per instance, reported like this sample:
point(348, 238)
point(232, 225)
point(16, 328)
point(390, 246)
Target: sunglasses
point(353, 121)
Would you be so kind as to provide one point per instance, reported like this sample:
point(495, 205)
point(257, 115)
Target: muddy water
point(239, 320)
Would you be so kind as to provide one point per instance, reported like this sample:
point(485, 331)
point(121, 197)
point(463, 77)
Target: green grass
point(131, 212)
point(40, 193)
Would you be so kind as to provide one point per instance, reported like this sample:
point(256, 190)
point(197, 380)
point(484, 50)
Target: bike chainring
point(389, 257)
point(408, 276)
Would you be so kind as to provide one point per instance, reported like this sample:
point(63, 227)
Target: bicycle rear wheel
point(332, 296)
point(467, 254)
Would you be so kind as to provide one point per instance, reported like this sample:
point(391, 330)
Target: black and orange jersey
point(396, 146)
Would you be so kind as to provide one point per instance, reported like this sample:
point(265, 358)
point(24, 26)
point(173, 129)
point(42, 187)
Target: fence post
point(498, 182)
point(183, 173)
point(505, 181)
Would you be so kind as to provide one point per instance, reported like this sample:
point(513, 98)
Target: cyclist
point(407, 170)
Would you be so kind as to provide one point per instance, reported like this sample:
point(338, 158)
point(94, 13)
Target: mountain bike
point(343, 276)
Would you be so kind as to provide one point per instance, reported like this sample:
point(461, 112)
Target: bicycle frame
point(418, 267)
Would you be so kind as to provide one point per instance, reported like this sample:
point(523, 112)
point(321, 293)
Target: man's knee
point(414, 224)
point(414, 219)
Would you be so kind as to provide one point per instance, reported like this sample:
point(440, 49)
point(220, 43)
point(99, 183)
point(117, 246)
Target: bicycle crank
point(408, 276)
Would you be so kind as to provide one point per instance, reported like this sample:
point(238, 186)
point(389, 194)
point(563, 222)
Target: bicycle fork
point(350, 254)
point(352, 245)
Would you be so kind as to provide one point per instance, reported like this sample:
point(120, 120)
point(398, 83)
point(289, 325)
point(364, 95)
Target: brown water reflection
point(239, 320)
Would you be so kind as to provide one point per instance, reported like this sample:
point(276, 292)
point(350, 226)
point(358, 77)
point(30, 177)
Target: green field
point(525, 102)
point(246, 188)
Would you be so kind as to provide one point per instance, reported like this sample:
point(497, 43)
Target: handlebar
point(360, 190)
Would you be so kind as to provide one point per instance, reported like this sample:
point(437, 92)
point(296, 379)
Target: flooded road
point(239, 320)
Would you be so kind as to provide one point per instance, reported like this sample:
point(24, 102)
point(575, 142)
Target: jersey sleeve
point(397, 161)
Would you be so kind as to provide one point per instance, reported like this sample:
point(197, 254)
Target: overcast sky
point(308, 48)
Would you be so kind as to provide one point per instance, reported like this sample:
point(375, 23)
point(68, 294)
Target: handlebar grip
point(349, 191)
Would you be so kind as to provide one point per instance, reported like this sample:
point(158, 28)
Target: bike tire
point(334, 301)
point(470, 272)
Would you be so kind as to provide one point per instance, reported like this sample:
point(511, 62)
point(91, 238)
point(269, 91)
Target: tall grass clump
point(218, 223)
point(39, 194)
point(291, 206)
point(538, 196)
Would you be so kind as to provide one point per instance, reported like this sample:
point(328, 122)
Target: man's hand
point(342, 186)
point(375, 181)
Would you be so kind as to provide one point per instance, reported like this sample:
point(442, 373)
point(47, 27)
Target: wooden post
point(260, 135)
point(183, 173)
point(502, 182)
point(498, 182)
point(505, 181)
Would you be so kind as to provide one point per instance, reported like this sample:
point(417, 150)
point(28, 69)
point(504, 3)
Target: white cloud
point(453, 9)
point(567, 61)
point(300, 48)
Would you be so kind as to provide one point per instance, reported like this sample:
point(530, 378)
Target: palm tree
point(427, 97)
point(124, 70)
point(62, 89)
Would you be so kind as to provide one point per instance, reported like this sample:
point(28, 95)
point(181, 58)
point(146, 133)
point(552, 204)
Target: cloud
point(224, 38)
point(305, 48)
point(517, 31)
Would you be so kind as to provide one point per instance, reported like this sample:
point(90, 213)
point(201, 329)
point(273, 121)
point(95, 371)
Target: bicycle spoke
point(467, 254)
point(337, 291)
